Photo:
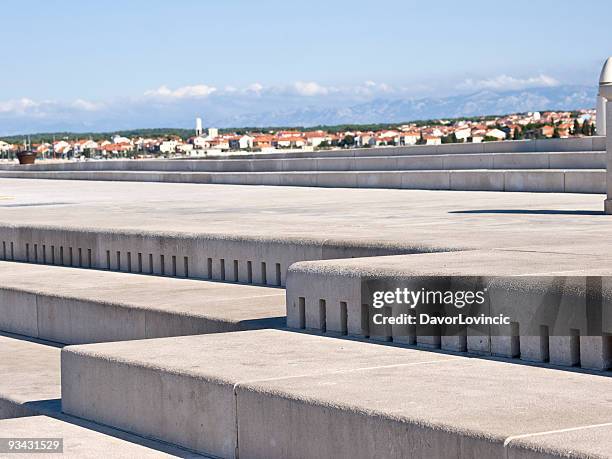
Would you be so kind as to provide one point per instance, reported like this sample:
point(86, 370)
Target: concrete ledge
point(74, 306)
point(335, 297)
point(586, 181)
point(203, 170)
point(229, 394)
point(477, 180)
point(517, 180)
point(535, 181)
point(267, 161)
point(478, 409)
point(182, 390)
point(252, 260)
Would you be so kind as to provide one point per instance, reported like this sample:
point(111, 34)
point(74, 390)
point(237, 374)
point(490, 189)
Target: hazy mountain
point(277, 109)
point(397, 110)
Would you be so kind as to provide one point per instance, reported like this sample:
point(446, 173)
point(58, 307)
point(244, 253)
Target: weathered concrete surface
point(181, 390)
point(30, 377)
point(583, 441)
point(297, 395)
point(465, 408)
point(80, 442)
point(75, 306)
point(427, 220)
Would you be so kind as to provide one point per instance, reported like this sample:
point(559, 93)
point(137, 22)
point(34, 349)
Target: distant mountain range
point(264, 110)
point(389, 110)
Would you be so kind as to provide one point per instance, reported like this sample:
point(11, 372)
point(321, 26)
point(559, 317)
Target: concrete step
point(81, 442)
point(244, 162)
point(30, 382)
point(30, 407)
point(517, 180)
point(548, 296)
point(273, 393)
point(531, 160)
point(72, 306)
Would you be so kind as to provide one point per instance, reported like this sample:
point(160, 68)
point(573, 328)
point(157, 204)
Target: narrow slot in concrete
point(278, 274)
point(322, 315)
point(343, 318)
point(302, 312)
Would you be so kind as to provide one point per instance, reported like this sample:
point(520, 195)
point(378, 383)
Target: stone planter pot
point(26, 157)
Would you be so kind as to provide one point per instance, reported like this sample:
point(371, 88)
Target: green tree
point(586, 128)
point(577, 127)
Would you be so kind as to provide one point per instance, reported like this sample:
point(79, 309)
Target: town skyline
point(201, 141)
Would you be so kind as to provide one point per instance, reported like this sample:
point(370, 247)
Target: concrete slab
point(71, 306)
point(274, 226)
point(582, 441)
point(181, 390)
point(30, 382)
point(80, 442)
point(296, 395)
point(466, 408)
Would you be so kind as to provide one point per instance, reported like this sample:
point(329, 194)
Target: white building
point(463, 134)
point(496, 134)
point(168, 146)
point(4, 147)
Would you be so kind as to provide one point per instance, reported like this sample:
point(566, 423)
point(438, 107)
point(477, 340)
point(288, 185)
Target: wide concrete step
point(80, 442)
point(554, 301)
point(256, 259)
point(241, 162)
point(517, 180)
point(530, 160)
point(273, 393)
point(68, 305)
point(30, 407)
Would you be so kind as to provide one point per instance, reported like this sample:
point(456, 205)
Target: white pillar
point(605, 91)
point(601, 115)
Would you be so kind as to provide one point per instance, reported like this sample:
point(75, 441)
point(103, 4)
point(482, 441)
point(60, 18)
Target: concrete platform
point(519, 284)
point(72, 306)
point(297, 395)
point(80, 442)
point(461, 409)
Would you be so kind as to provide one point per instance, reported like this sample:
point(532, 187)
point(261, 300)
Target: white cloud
point(256, 88)
point(505, 82)
point(17, 105)
point(370, 87)
point(184, 92)
point(310, 89)
point(86, 105)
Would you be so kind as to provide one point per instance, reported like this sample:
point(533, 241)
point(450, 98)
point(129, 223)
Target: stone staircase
point(570, 166)
point(156, 342)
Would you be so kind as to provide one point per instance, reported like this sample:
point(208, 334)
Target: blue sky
point(62, 57)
